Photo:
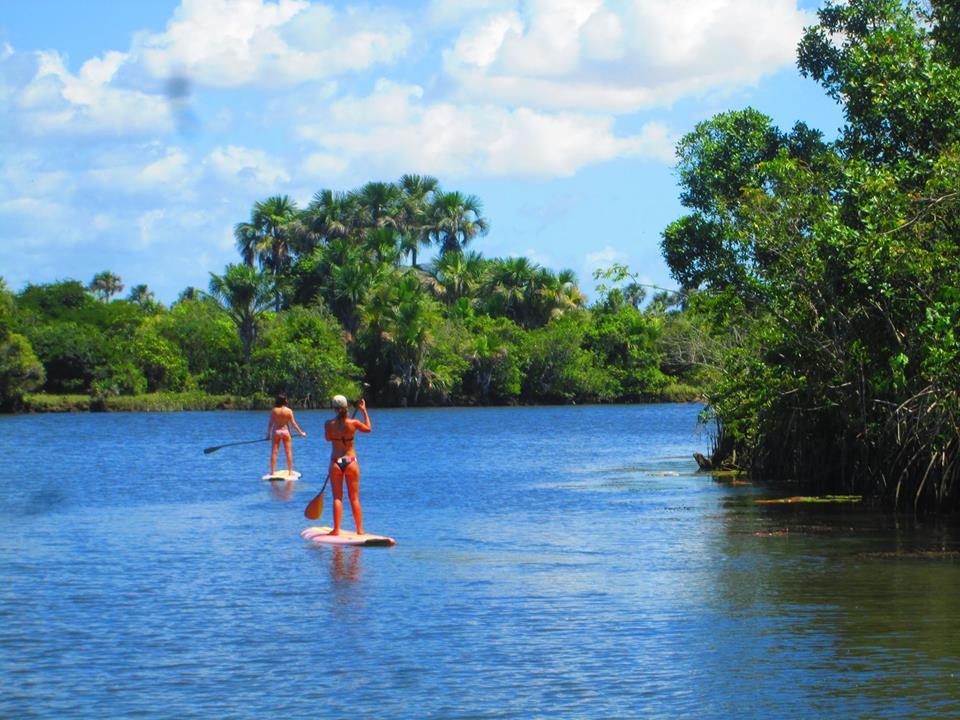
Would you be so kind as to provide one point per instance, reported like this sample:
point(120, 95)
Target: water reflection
point(863, 605)
point(345, 564)
point(281, 491)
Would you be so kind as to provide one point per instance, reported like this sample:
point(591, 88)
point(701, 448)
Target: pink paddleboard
point(321, 536)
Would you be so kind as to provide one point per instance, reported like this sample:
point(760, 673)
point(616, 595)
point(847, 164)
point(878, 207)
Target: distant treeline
point(330, 299)
point(831, 271)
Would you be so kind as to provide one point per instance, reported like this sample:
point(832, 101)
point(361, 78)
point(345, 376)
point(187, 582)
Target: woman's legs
point(289, 451)
point(336, 484)
point(273, 454)
point(352, 474)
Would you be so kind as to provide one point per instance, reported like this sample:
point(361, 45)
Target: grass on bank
point(175, 402)
point(150, 402)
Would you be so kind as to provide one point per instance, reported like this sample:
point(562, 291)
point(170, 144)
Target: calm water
point(551, 562)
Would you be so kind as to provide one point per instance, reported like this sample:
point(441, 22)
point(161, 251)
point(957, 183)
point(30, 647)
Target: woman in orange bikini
point(277, 429)
point(343, 460)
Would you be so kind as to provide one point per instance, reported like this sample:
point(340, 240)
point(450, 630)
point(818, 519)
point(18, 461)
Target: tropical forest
point(816, 312)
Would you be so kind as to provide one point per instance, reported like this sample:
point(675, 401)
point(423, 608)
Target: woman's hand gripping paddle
point(314, 508)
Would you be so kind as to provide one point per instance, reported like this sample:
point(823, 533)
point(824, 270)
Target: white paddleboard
point(282, 475)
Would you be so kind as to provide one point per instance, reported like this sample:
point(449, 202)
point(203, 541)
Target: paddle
point(315, 507)
point(207, 451)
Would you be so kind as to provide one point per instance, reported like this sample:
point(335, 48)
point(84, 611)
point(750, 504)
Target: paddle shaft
point(207, 451)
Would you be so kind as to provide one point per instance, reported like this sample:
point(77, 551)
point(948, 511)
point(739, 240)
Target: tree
point(377, 205)
point(844, 373)
point(510, 288)
point(245, 295)
point(105, 285)
point(559, 368)
point(267, 238)
point(400, 319)
point(303, 355)
point(455, 220)
point(329, 216)
point(458, 275)
point(143, 296)
point(20, 370)
point(413, 220)
point(208, 340)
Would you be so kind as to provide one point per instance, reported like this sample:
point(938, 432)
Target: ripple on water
point(146, 579)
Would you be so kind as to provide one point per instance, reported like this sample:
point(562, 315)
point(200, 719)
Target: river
point(550, 562)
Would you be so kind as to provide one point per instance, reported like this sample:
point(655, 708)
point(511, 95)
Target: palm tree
point(141, 295)
point(382, 242)
point(399, 316)
point(455, 220)
point(245, 294)
point(266, 237)
point(554, 294)
point(417, 194)
point(105, 285)
point(329, 215)
point(458, 275)
point(378, 204)
point(511, 288)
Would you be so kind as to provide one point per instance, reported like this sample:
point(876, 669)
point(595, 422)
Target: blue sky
point(133, 136)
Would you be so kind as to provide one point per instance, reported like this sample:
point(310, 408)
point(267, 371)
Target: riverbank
point(150, 402)
point(179, 402)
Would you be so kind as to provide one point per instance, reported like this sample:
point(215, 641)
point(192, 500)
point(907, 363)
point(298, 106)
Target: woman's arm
point(364, 426)
point(270, 426)
point(295, 426)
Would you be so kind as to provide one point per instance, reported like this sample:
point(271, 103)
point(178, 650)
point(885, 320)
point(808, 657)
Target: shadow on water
point(861, 605)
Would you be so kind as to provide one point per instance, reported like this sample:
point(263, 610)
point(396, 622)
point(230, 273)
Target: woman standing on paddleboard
point(277, 429)
point(343, 460)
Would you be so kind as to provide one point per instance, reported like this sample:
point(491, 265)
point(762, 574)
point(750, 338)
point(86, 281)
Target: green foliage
point(496, 356)
point(54, 300)
point(105, 285)
point(71, 354)
point(302, 354)
point(159, 359)
point(323, 301)
point(208, 341)
point(832, 271)
point(559, 368)
point(20, 370)
point(625, 341)
point(245, 294)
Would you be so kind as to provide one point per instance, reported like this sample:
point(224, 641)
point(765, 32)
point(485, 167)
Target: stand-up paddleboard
point(282, 475)
point(321, 536)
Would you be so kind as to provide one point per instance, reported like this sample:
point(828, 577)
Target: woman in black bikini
point(343, 460)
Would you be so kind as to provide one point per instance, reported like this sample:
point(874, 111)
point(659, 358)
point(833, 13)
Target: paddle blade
point(207, 451)
point(315, 507)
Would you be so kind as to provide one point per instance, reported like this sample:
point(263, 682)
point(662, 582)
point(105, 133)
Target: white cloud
point(147, 224)
point(56, 102)
point(247, 166)
point(232, 43)
point(602, 259)
point(393, 130)
point(618, 55)
point(321, 165)
point(151, 168)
